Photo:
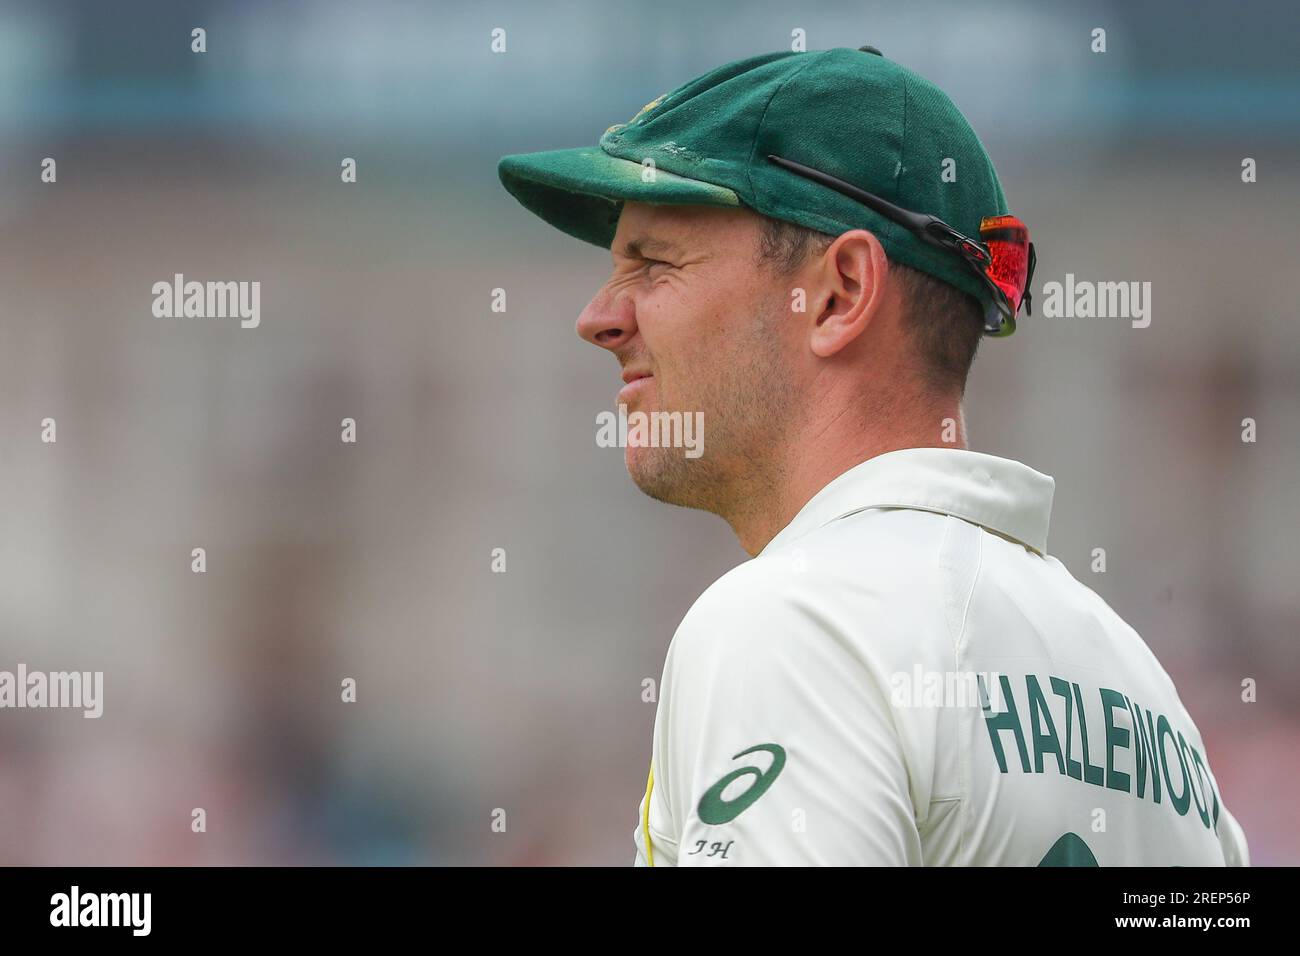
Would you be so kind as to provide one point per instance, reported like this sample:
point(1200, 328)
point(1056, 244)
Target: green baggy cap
point(850, 113)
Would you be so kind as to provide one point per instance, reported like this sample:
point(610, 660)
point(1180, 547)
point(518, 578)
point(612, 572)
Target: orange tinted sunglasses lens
point(1007, 239)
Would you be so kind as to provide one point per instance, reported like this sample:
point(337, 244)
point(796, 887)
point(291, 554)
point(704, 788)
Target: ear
point(852, 274)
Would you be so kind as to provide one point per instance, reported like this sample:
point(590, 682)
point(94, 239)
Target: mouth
point(633, 382)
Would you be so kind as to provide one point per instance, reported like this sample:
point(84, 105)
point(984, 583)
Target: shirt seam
point(947, 512)
point(963, 759)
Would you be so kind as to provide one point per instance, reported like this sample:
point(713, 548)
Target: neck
point(774, 494)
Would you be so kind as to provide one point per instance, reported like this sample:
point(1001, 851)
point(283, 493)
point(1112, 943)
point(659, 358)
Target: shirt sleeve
point(778, 746)
point(1233, 840)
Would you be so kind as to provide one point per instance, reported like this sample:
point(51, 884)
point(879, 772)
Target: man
point(807, 249)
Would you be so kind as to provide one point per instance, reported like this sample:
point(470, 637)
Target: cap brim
point(581, 191)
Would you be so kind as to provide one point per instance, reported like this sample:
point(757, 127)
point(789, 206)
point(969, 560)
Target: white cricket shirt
point(904, 676)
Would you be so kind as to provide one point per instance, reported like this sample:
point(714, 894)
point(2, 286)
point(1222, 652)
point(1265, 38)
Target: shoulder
point(758, 609)
point(895, 549)
point(876, 560)
point(856, 589)
point(749, 593)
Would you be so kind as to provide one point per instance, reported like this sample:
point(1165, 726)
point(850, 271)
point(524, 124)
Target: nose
point(609, 320)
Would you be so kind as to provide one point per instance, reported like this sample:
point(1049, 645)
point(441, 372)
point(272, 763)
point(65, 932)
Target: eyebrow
point(637, 248)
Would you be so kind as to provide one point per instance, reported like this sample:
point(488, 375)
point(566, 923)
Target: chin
point(662, 474)
point(641, 466)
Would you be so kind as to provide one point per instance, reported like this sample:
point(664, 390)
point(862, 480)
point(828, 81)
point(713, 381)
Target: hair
point(945, 324)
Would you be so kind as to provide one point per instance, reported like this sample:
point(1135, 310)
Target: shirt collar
point(999, 494)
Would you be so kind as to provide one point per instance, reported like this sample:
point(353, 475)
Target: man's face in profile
point(698, 324)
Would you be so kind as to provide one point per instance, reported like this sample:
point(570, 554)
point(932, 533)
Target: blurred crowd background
point(476, 430)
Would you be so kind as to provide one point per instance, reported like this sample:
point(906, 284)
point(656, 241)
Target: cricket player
point(807, 249)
